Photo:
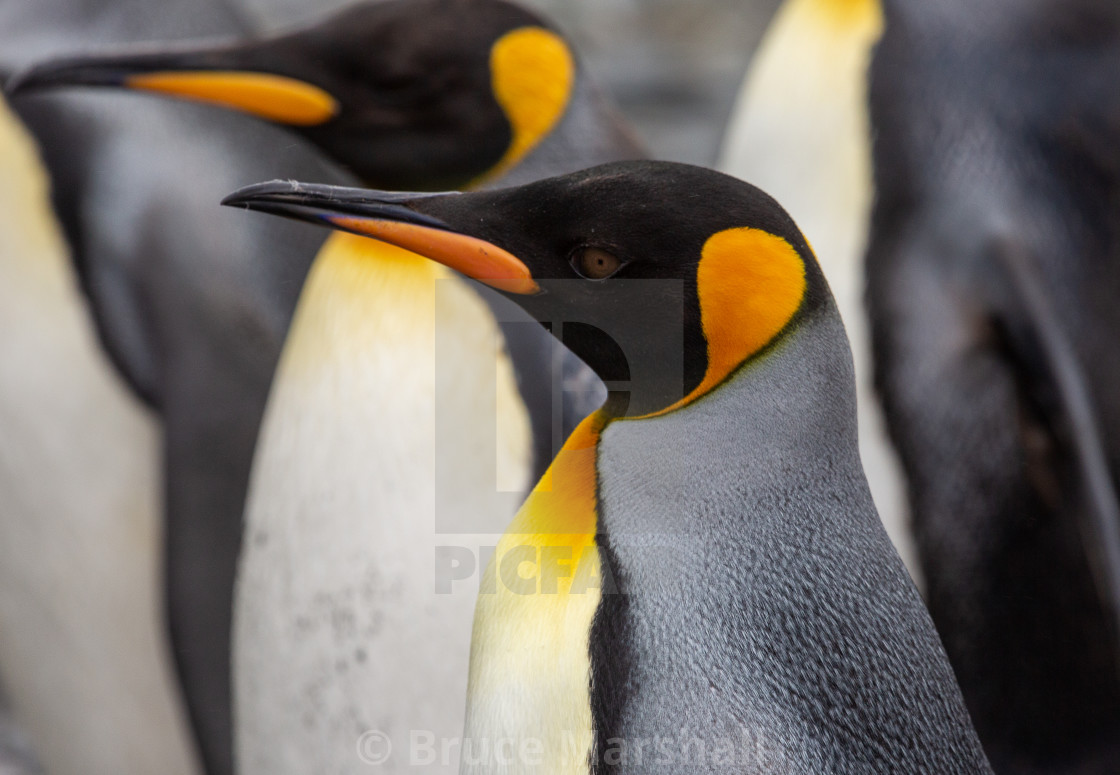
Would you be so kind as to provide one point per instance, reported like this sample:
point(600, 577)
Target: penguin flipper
point(112, 302)
point(1045, 354)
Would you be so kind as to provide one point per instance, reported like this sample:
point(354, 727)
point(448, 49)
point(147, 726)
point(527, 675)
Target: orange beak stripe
point(475, 258)
point(271, 97)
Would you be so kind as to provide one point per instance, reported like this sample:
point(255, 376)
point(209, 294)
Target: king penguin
point(993, 284)
point(120, 497)
point(82, 646)
point(801, 131)
point(365, 86)
point(700, 582)
point(362, 496)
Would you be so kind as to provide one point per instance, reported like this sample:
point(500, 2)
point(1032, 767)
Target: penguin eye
point(595, 263)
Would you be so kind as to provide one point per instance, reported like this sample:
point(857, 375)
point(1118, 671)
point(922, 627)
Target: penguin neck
point(790, 405)
point(590, 133)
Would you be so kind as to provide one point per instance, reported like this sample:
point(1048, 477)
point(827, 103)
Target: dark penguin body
point(992, 286)
point(731, 600)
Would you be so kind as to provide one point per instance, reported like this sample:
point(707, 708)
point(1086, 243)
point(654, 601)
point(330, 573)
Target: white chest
point(373, 454)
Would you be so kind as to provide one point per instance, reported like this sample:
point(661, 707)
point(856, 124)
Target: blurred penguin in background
point(82, 644)
point(363, 494)
point(994, 270)
point(801, 132)
point(191, 305)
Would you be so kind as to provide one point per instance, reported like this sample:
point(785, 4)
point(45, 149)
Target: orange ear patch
point(532, 73)
point(750, 285)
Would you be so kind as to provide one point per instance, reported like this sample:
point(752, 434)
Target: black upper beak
point(324, 205)
point(248, 77)
point(393, 217)
point(65, 72)
point(115, 70)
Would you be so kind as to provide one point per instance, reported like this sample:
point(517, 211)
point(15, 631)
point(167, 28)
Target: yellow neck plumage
point(534, 615)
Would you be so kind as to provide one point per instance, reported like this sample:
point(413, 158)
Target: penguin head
point(664, 275)
point(406, 93)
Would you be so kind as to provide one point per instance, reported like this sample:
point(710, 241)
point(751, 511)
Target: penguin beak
point(390, 217)
point(221, 76)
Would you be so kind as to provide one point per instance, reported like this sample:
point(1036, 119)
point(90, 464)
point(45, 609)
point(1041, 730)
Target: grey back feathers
point(743, 542)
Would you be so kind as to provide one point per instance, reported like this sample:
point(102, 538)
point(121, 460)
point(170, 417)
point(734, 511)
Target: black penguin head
point(418, 93)
point(664, 275)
